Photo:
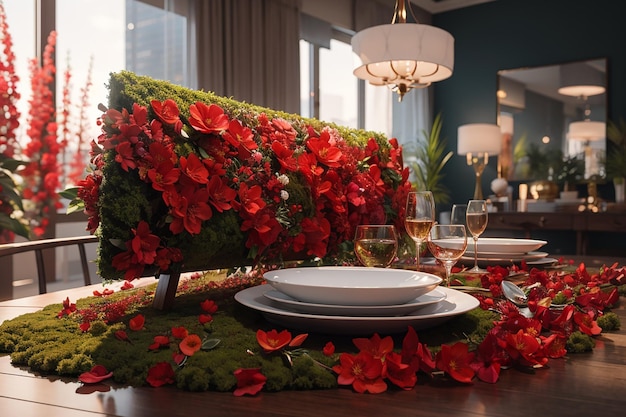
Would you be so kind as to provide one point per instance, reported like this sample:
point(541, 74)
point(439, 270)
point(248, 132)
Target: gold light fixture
point(403, 55)
point(476, 141)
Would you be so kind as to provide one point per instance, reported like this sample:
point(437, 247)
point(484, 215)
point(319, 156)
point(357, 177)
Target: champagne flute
point(476, 217)
point(419, 218)
point(447, 243)
point(376, 245)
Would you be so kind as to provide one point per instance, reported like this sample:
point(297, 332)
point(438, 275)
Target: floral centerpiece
point(185, 180)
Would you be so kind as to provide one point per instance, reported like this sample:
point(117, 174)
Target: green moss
point(55, 345)
point(609, 322)
point(579, 342)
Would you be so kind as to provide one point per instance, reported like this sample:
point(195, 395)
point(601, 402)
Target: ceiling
point(438, 6)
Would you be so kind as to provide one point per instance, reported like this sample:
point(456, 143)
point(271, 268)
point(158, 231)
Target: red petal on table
point(97, 374)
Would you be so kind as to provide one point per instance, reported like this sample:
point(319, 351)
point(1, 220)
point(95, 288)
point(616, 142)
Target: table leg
point(166, 291)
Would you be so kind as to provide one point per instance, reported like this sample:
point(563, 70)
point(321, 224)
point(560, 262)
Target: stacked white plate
point(354, 300)
point(504, 251)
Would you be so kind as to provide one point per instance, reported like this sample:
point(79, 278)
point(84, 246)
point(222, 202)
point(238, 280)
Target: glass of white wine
point(419, 218)
point(376, 245)
point(476, 219)
point(447, 243)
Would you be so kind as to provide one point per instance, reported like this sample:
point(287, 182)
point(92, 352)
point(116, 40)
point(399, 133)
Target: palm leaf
point(431, 159)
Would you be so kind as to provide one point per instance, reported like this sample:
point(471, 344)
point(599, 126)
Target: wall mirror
point(553, 119)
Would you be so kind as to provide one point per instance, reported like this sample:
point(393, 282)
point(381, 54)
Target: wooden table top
point(578, 385)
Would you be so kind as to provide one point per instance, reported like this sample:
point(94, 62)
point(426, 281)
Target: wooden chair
point(38, 246)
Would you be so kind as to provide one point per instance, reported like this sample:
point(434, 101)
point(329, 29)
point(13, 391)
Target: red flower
point(400, 374)
point(325, 153)
point(240, 137)
point(208, 306)
point(127, 286)
point(587, 324)
point(220, 194)
point(122, 336)
point(168, 113)
point(375, 345)
point(97, 374)
point(161, 374)
point(137, 322)
point(522, 347)
point(193, 168)
point(207, 119)
point(329, 349)
point(455, 361)
point(249, 381)
point(125, 156)
point(273, 340)
point(159, 342)
point(363, 372)
point(189, 209)
point(179, 332)
point(84, 327)
point(205, 318)
point(190, 344)
point(487, 361)
point(144, 244)
point(68, 308)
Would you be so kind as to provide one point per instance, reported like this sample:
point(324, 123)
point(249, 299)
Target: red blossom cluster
point(41, 174)
point(9, 95)
point(248, 166)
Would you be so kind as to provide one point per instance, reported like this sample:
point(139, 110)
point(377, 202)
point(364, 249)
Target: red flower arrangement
point(292, 190)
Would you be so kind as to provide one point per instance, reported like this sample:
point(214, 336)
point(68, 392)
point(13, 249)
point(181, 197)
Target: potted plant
point(571, 171)
point(429, 163)
point(615, 162)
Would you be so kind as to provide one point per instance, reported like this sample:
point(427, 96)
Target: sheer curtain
point(249, 50)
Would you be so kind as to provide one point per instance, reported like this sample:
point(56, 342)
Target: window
point(148, 37)
point(329, 91)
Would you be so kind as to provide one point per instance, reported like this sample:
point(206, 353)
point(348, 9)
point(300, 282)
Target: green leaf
point(9, 223)
point(208, 344)
point(74, 206)
point(69, 193)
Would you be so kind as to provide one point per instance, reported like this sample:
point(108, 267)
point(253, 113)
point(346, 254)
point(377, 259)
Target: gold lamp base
point(479, 163)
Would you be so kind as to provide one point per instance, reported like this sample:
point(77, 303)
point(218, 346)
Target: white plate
point(502, 259)
point(496, 245)
point(456, 303)
point(345, 285)
point(286, 302)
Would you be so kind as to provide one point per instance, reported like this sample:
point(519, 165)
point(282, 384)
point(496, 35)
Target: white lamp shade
point(579, 79)
point(412, 51)
point(479, 138)
point(586, 130)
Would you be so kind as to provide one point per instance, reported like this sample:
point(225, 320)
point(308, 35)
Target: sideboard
point(584, 226)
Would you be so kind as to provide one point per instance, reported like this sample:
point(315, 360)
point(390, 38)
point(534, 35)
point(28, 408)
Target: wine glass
point(447, 243)
point(419, 218)
point(376, 245)
point(476, 218)
point(458, 214)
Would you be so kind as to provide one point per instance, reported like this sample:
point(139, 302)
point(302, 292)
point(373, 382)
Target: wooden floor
point(591, 384)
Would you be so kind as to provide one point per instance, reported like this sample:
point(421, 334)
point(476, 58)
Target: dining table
point(580, 384)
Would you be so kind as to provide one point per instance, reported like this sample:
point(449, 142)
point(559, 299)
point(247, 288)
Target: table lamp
point(477, 141)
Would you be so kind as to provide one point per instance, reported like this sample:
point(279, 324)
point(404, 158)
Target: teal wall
point(508, 34)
